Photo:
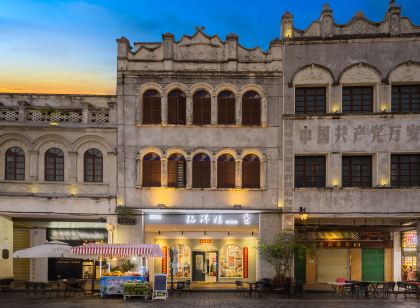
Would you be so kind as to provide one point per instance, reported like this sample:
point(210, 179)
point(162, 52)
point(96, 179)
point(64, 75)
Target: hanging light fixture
point(303, 214)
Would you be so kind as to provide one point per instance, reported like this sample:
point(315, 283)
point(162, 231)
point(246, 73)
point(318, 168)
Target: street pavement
point(206, 299)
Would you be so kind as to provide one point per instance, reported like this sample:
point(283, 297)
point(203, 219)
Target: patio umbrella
point(53, 249)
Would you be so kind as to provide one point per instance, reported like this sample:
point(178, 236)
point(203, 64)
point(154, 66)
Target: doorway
point(205, 266)
point(199, 273)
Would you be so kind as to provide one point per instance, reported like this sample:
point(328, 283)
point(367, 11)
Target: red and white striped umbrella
point(120, 250)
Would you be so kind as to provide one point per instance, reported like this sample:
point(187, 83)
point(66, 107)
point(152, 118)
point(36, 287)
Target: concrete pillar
point(112, 112)
point(189, 109)
point(264, 111)
point(238, 173)
point(22, 110)
point(213, 110)
point(213, 174)
point(164, 173)
point(139, 178)
point(397, 256)
point(85, 112)
point(335, 101)
point(384, 99)
point(33, 171)
point(383, 171)
point(38, 266)
point(238, 110)
point(270, 225)
point(6, 247)
point(334, 170)
point(164, 110)
point(189, 173)
point(263, 174)
point(73, 167)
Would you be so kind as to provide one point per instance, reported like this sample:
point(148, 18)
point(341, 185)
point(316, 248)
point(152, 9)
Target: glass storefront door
point(199, 272)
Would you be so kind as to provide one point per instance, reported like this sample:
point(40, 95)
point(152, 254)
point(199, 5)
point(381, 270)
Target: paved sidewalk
point(207, 299)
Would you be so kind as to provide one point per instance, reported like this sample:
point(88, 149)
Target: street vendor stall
point(123, 279)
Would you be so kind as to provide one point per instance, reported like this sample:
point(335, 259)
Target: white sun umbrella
point(53, 249)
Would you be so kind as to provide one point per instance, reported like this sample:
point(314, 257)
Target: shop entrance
point(205, 266)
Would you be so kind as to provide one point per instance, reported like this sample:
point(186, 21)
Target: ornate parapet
point(199, 52)
point(359, 26)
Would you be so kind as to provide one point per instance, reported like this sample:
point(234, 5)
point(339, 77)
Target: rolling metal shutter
point(332, 264)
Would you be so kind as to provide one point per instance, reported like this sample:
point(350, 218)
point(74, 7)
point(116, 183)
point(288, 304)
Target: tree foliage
point(281, 251)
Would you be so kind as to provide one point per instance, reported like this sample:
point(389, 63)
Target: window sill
point(295, 116)
point(199, 189)
point(203, 126)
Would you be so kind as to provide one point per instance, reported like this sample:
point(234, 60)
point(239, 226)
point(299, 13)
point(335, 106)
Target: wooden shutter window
point(226, 171)
point(152, 107)
point(93, 166)
point(15, 164)
point(201, 171)
point(177, 107)
point(251, 109)
point(54, 165)
point(176, 171)
point(201, 108)
point(251, 171)
point(310, 100)
point(151, 170)
point(357, 99)
point(310, 171)
point(226, 108)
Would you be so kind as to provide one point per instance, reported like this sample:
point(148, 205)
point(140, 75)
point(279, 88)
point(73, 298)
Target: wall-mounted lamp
point(205, 233)
point(182, 232)
point(161, 206)
point(237, 206)
point(252, 233)
point(53, 123)
point(159, 232)
point(228, 232)
point(303, 214)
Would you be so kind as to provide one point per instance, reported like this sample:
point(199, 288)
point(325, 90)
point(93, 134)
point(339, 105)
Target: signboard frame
point(160, 289)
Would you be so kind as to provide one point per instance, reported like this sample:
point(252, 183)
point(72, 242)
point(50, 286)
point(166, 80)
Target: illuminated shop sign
point(409, 239)
point(227, 219)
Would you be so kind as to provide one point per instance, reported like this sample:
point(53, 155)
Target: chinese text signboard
point(245, 262)
point(164, 260)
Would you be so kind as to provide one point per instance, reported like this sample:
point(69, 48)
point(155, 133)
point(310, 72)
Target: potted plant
point(280, 252)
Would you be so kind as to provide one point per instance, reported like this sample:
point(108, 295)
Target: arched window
point(180, 257)
point(93, 166)
point(251, 109)
point(54, 165)
point(176, 171)
point(151, 107)
point(15, 164)
point(151, 170)
point(231, 261)
point(201, 108)
point(251, 171)
point(226, 108)
point(226, 171)
point(201, 171)
point(177, 107)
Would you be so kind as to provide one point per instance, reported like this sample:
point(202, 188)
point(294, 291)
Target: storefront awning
point(120, 250)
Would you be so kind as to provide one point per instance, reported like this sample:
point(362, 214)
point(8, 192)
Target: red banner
point(164, 260)
point(245, 262)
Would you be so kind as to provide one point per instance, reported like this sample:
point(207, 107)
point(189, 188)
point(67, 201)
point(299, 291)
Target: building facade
point(209, 147)
point(351, 141)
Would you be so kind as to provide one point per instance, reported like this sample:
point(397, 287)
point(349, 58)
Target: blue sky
point(69, 46)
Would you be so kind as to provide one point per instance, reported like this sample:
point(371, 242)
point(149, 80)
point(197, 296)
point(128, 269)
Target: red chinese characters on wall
point(245, 262)
point(164, 260)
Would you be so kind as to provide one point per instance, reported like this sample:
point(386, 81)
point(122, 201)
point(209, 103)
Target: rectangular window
point(310, 171)
point(405, 98)
point(357, 171)
point(405, 170)
point(310, 101)
point(357, 99)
